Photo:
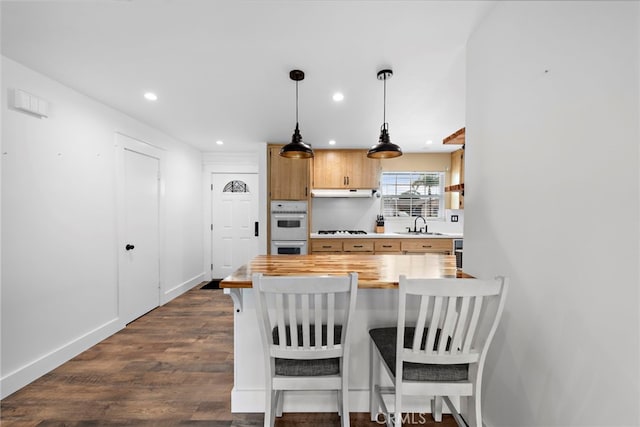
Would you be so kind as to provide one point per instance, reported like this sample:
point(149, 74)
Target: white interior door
point(140, 265)
point(234, 218)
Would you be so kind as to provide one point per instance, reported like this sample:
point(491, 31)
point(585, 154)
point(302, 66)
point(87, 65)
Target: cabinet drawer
point(357, 246)
point(390, 246)
point(427, 245)
point(326, 246)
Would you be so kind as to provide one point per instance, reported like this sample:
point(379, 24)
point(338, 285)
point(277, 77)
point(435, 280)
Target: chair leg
point(344, 405)
point(397, 410)
point(269, 415)
point(374, 371)
point(471, 410)
point(279, 402)
point(436, 408)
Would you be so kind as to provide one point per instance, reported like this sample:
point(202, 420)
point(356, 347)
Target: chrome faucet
point(415, 224)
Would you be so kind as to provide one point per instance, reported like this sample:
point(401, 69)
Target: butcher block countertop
point(374, 271)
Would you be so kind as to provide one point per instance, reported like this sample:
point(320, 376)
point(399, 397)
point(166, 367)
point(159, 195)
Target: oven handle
point(288, 243)
point(288, 216)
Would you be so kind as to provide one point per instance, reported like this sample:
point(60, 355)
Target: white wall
point(552, 200)
point(59, 228)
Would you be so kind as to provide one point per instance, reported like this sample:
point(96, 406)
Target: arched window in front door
point(236, 187)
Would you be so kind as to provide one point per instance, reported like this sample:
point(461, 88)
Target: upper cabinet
point(288, 178)
point(457, 169)
point(345, 169)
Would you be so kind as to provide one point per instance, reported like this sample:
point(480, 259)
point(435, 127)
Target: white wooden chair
point(442, 351)
point(316, 355)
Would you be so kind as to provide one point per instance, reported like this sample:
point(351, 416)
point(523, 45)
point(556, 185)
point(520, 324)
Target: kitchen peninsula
point(376, 306)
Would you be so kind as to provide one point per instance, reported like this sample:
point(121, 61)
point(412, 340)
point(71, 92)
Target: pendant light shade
point(297, 149)
point(384, 149)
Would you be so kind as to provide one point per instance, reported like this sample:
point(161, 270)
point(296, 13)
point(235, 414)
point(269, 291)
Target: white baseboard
point(182, 288)
point(19, 378)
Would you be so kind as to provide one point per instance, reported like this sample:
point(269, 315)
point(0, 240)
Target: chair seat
point(308, 367)
point(385, 340)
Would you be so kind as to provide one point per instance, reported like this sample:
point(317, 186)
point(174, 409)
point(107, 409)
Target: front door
point(234, 218)
point(140, 251)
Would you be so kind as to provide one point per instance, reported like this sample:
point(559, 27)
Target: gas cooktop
point(342, 232)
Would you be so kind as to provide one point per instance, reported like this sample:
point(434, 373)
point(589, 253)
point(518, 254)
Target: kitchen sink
point(419, 233)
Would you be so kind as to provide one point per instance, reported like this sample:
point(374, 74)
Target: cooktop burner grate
point(342, 232)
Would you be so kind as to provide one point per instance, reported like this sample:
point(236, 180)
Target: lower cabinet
point(382, 246)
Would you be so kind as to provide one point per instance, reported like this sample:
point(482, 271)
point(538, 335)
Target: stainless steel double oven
point(289, 231)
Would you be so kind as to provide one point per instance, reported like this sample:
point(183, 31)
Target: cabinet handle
point(357, 246)
point(387, 246)
point(347, 180)
point(426, 246)
point(326, 247)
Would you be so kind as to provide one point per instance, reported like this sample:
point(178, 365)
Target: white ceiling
point(221, 68)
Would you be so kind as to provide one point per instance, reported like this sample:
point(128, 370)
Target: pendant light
point(296, 149)
point(384, 149)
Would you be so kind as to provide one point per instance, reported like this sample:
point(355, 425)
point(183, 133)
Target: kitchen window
point(407, 194)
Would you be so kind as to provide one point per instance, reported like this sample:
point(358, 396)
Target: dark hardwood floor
point(171, 367)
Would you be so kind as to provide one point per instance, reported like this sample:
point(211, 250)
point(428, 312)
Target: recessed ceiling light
point(151, 96)
point(332, 142)
point(219, 142)
point(338, 96)
point(429, 142)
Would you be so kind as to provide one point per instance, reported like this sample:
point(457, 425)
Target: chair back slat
point(317, 310)
point(473, 324)
point(306, 328)
point(420, 324)
point(293, 319)
point(331, 317)
point(451, 316)
point(432, 331)
point(299, 314)
point(458, 333)
point(282, 331)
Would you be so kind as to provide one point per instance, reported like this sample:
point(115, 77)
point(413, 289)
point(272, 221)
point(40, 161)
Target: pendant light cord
point(296, 103)
point(384, 102)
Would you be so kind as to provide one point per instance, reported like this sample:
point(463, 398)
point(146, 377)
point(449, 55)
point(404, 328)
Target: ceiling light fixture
point(296, 149)
point(332, 142)
point(151, 96)
point(219, 142)
point(384, 149)
point(338, 96)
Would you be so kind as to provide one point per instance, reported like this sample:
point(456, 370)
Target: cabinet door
point(288, 178)
point(362, 172)
point(345, 169)
point(442, 246)
point(329, 169)
point(357, 246)
point(326, 245)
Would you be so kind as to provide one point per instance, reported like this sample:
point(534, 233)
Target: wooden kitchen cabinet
point(421, 246)
point(288, 178)
point(345, 169)
point(390, 246)
point(357, 246)
point(456, 187)
point(457, 179)
point(382, 246)
point(326, 246)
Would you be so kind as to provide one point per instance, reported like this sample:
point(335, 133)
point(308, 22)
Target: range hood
point(324, 192)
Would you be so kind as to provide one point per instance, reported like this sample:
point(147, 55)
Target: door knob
point(129, 247)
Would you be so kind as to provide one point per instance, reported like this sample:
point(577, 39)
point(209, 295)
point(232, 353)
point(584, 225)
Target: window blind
point(413, 194)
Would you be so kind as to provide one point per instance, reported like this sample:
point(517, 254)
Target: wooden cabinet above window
point(345, 169)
